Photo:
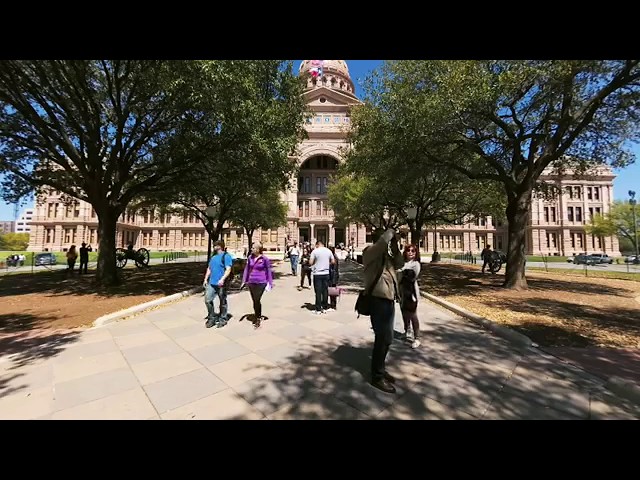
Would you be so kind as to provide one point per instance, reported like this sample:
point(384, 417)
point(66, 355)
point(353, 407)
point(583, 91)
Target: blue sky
point(627, 179)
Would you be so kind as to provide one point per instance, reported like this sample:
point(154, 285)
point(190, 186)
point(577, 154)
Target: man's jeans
point(211, 292)
point(294, 264)
point(321, 286)
point(382, 314)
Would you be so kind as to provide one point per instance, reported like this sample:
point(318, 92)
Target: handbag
point(363, 303)
point(335, 291)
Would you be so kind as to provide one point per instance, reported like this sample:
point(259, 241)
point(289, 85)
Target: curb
point(504, 332)
point(119, 315)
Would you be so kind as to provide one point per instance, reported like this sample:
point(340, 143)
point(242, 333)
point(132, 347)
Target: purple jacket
point(260, 271)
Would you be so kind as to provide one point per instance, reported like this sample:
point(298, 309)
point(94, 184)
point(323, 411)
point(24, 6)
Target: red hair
point(406, 251)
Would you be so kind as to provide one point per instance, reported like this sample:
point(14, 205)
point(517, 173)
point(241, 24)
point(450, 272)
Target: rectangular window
point(318, 208)
point(589, 193)
point(307, 184)
point(546, 214)
point(578, 214)
point(553, 214)
point(596, 193)
point(318, 185)
point(570, 214)
point(325, 181)
point(578, 192)
point(300, 209)
point(306, 208)
point(274, 236)
point(590, 212)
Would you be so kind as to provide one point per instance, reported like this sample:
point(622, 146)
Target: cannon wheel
point(142, 258)
point(496, 265)
point(121, 257)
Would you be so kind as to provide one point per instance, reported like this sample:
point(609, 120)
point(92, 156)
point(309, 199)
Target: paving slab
point(164, 364)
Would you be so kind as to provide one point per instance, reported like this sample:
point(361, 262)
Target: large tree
point(259, 211)
point(618, 221)
point(103, 131)
point(512, 120)
point(384, 174)
point(251, 154)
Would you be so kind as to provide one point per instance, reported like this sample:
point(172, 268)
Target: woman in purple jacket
point(257, 276)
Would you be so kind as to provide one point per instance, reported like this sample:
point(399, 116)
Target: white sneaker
point(408, 336)
point(330, 309)
point(415, 344)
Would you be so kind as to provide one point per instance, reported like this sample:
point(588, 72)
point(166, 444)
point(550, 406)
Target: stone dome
point(334, 66)
point(335, 75)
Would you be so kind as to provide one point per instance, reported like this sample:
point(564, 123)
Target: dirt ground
point(555, 311)
point(56, 300)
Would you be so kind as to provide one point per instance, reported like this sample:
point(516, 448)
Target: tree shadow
point(164, 279)
point(447, 280)
point(618, 321)
point(458, 373)
point(24, 343)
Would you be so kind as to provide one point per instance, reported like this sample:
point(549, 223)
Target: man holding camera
point(380, 262)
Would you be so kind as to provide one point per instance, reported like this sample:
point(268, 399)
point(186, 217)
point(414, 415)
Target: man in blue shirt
point(215, 284)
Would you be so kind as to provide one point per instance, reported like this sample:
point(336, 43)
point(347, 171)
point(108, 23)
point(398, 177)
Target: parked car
point(45, 259)
point(632, 259)
point(585, 260)
point(602, 258)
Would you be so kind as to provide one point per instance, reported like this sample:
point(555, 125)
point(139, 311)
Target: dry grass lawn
point(556, 310)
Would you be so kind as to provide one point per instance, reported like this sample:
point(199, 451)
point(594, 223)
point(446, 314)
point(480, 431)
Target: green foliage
point(263, 211)
point(247, 152)
point(14, 241)
point(508, 121)
point(619, 221)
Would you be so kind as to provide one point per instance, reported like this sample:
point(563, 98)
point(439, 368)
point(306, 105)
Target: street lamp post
point(632, 202)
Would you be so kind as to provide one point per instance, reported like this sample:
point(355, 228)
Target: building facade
point(556, 227)
point(23, 224)
point(6, 226)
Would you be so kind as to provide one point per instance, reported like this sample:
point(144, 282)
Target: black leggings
point(256, 290)
point(305, 272)
point(411, 318)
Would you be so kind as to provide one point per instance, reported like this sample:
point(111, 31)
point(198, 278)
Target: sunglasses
point(412, 250)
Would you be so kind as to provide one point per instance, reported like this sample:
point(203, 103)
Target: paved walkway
point(164, 364)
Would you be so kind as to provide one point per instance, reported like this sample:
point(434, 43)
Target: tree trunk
point(107, 273)
point(249, 233)
point(209, 241)
point(517, 212)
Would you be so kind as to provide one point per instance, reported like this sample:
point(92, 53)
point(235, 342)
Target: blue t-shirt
point(217, 268)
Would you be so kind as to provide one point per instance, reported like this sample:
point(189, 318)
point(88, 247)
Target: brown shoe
point(384, 385)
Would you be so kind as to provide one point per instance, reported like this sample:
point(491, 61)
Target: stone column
point(332, 239)
point(312, 232)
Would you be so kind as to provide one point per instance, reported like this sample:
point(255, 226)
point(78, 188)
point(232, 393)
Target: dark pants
point(305, 272)
point(83, 265)
point(70, 264)
point(211, 292)
point(256, 290)
point(382, 312)
point(411, 318)
point(333, 301)
point(321, 286)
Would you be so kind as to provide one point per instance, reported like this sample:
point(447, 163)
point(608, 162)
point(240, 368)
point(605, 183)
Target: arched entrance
point(315, 219)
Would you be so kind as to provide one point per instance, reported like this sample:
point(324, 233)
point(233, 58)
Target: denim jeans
point(382, 313)
point(294, 264)
point(211, 292)
point(321, 286)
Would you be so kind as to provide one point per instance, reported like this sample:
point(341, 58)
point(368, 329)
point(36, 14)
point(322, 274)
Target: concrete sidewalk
point(166, 364)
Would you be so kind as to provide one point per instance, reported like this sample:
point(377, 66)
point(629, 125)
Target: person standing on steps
point(381, 260)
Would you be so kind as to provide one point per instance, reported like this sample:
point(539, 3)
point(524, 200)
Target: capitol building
point(555, 227)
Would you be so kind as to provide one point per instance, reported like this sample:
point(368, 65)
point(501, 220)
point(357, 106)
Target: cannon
point(140, 256)
point(497, 260)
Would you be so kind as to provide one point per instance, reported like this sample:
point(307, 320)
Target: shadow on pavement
point(458, 373)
